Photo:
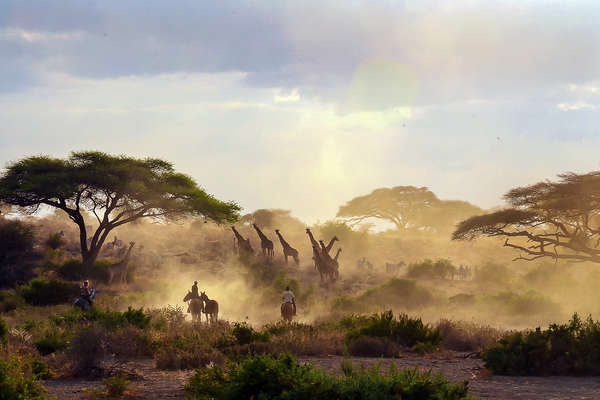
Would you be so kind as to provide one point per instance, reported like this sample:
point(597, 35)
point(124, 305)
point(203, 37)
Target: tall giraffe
point(244, 245)
point(288, 251)
point(265, 243)
point(315, 247)
point(331, 242)
point(337, 265)
point(120, 267)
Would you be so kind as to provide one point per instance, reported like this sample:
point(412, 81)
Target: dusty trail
point(156, 384)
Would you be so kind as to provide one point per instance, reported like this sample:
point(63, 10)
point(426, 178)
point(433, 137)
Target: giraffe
point(315, 247)
point(288, 251)
point(265, 243)
point(244, 246)
point(120, 267)
point(336, 264)
point(323, 262)
point(331, 242)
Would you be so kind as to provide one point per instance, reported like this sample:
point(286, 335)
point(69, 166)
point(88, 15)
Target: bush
point(109, 319)
point(73, 270)
point(402, 330)
point(567, 349)
point(17, 380)
point(42, 292)
point(245, 334)
point(440, 269)
point(17, 254)
point(9, 300)
point(53, 340)
point(116, 385)
point(54, 241)
point(87, 350)
point(367, 346)
point(266, 377)
point(467, 336)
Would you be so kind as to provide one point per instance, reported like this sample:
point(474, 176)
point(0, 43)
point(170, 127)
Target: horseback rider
point(195, 294)
point(86, 293)
point(288, 297)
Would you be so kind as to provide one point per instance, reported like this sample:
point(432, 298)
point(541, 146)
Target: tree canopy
point(407, 207)
point(114, 189)
point(559, 220)
point(273, 218)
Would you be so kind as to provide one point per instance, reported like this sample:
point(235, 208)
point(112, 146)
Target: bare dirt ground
point(155, 384)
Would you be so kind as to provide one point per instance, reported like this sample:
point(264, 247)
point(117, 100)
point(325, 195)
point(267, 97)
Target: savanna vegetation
point(408, 290)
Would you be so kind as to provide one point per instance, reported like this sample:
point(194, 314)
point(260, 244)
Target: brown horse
point(287, 312)
point(196, 306)
point(211, 307)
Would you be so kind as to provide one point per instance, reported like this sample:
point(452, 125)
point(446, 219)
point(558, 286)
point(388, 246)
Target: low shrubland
point(385, 329)
point(521, 304)
point(468, 336)
point(562, 349)
point(19, 378)
point(268, 377)
point(44, 292)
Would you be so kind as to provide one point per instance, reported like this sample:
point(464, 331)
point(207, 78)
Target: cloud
point(576, 106)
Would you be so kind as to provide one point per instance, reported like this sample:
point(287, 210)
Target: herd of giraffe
point(327, 266)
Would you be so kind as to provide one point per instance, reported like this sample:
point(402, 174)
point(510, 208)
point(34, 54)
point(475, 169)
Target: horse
point(211, 307)
point(196, 307)
point(287, 312)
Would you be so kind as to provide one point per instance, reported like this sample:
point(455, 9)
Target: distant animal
point(211, 308)
point(196, 306)
point(287, 312)
point(116, 243)
point(393, 268)
point(288, 251)
point(266, 244)
point(120, 268)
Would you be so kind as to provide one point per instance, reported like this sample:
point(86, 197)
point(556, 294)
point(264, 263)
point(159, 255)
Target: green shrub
point(245, 334)
point(566, 349)
point(73, 270)
point(440, 269)
point(42, 292)
point(9, 300)
point(109, 319)
point(402, 330)
point(17, 254)
point(53, 340)
point(17, 380)
point(116, 385)
point(266, 377)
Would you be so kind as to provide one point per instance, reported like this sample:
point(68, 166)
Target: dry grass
point(468, 336)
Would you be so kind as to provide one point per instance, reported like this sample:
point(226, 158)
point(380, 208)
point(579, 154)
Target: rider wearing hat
point(195, 294)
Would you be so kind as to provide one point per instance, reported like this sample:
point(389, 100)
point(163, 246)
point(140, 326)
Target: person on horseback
point(288, 297)
point(86, 293)
point(195, 294)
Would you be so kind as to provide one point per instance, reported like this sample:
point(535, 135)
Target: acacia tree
point(559, 220)
point(399, 205)
point(116, 190)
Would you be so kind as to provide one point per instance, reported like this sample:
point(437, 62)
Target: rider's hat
point(195, 282)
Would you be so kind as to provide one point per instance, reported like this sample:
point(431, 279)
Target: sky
point(305, 105)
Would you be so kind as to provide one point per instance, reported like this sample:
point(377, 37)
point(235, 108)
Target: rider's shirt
point(288, 296)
